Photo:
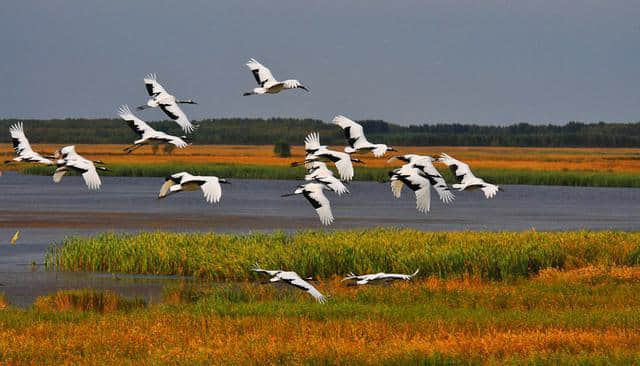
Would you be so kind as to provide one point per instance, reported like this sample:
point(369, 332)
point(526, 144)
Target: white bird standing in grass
point(167, 102)
point(317, 152)
point(184, 181)
point(293, 279)
point(313, 192)
point(419, 175)
point(356, 139)
point(380, 277)
point(147, 135)
point(466, 180)
point(268, 84)
point(22, 148)
point(70, 160)
point(318, 171)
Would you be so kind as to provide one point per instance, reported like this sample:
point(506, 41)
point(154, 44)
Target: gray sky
point(465, 61)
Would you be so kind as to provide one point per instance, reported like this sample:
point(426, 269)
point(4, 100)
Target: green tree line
point(256, 131)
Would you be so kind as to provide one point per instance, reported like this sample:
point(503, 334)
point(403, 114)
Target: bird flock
point(417, 172)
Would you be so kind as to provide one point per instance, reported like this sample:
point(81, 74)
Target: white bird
point(319, 152)
point(466, 180)
point(268, 84)
point(293, 279)
point(313, 192)
point(424, 164)
point(378, 277)
point(356, 139)
point(318, 171)
point(22, 147)
point(147, 135)
point(184, 181)
point(167, 102)
point(70, 160)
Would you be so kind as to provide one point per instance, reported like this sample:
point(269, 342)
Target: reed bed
point(239, 171)
point(86, 300)
point(584, 316)
point(501, 165)
point(327, 254)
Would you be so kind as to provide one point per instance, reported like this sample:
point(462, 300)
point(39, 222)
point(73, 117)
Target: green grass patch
point(228, 257)
point(363, 173)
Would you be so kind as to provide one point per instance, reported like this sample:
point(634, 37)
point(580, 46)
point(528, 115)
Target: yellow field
point(557, 159)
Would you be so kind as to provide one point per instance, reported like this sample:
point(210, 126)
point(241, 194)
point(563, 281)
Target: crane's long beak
point(304, 88)
point(288, 195)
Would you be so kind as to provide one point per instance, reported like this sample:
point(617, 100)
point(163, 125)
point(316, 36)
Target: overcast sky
point(489, 61)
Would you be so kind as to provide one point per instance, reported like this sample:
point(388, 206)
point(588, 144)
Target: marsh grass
point(327, 254)
point(584, 316)
point(363, 173)
point(86, 300)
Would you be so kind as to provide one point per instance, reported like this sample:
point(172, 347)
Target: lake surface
point(45, 213)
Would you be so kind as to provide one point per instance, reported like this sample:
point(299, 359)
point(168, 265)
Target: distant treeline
point(253, 131)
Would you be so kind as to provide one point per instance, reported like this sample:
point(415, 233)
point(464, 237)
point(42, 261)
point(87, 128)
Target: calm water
point(45, 213)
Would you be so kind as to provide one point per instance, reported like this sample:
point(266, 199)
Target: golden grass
point(190, 334)
point(85, 300)
point(582, 159)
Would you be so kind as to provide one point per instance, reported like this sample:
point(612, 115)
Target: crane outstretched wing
point(173, 111)
point(263, 75)
point(315, 196)
point(353, 131)
point(460, 170)
point(309, 288)
point(435, 179)
point(153, 86)
point(211, 189)
point(20, 142)
point(136, 124)
point(312, 142)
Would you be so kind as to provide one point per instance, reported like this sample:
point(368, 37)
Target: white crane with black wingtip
point(168, 103)
point(22, 148)
point(317, 152)
point(424, 164)
point(184, 181)
point(318, 171)
point(313, 192)
point(380, 277)
point(356, 139)
point(70, 160)
point(267, 83)
point(293, 279)
point(466, 180)
point(147, 135)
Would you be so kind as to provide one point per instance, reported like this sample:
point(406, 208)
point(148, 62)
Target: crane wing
point(315, 196)
point(333, 183)
point(263, 75)
point(59, 173)
point(89, 173)
point(353, 131)
point(20, 142)
point(423, 199)
point(306, 286)
point(312, 142)
point(211, 189)
point(396, 187)
point(435, 179)
point(489, 190)
point(343, 164)
point(173, 111)
point(153, 86)
point(136, 124)
point(460, 170)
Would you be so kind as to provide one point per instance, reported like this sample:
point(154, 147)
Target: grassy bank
point(363, 173)
point(585, 316)
point(333, 253)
